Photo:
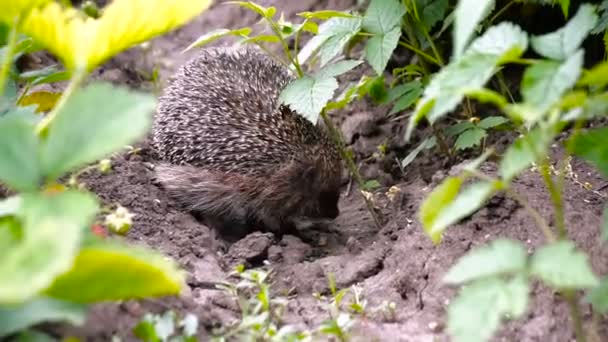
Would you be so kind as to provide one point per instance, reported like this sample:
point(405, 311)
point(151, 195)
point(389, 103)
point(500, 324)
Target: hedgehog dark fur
point(233, 154)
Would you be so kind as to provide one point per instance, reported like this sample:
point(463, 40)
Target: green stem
point(420, 53)
point(416, 48)
point(8, 55)
point(78, 76)
point(350, 163)
point(443, 146)
point(277, 32)
point(556, 199)
point(501, 11)
point(433, 46)
point(503, 86)
point(570, 297)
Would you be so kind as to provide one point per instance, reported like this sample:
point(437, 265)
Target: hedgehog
point(237, 157)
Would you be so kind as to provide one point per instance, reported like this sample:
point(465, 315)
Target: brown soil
point(396, 263)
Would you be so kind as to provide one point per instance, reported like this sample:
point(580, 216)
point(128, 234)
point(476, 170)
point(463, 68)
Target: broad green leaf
point(376, 89)
point(324, 15)
point(424, 145)
point(334, 35)
point(422, 108)
point(492, 121)
point(598, 76)
point(90, 127)
point(545, 82)
point(402, 89)
point(10, 206)
point(38, 310)
point(408, 98)
point(383, 16)
point(449, 85)
point(337, 69)
point(458, 128)
point(468, 14)
point(440, 198)
point(562, 266)
point(523, 152)
point(506, 40)
point(564, 42)
point(433, 11)
point(216, 34)
point(113, 271)
point(13, 8)
point(470, 138)
point(52, 226)
point(476, 313)
point(83, 42)
point(380, 47)
point(309, 95)
point(464, 204)
point(20, 168)
point(592, 146)
point(599, 297)
point(501, 257)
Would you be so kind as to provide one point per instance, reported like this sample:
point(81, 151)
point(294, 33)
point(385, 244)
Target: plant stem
point(78, 76)
point(503, 86)
point(443, 146)
point(570, 297)
point(556, 198)
point(350, 163)
point(8, 55)
point(416, 48)
point(540, 221)
point(277, 32)
point(433, 46)
point(501, 11)
point(419, 52)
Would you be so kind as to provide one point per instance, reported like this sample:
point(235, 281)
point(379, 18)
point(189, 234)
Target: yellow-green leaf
point(82, 42)
point(45, 100)
point(441, 197)
point(13, 8)
point(112, 271)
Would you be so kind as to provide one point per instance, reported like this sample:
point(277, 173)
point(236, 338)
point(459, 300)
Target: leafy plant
point(555, 91)
point(52, 263)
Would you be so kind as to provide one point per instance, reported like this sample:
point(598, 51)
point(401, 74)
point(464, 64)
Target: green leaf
point(90, 127)
point(562, 266)
point(52, 226)
point(324, 15)
point(425, 144)
point(433, 11)
point(468, 14)
point(458, 128)
point(38, 310)
point(48, 74)
point(464, 204)
point(440, 198)
point(485, 95)
point(309, 95)
point(564, 42)
point(545, 82)
point(593, 147)
point(598, 76)
point(261, 10)
point(376, 89)
point(113, 271)
point(492, 121)
point(523, 152)
point(380, 47)
point(337, 69)
point(269, 38)
point(383, 16)
point(20, 167)
point(505, 40)
point(469, 138)
point(599, 297)
point(333, 36)
point(501, 257)
point(411, 92)
point(216, 34)
point(476, 313)
point(10, 206)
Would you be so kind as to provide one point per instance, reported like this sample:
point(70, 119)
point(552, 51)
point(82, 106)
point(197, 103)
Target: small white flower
point(120, 220)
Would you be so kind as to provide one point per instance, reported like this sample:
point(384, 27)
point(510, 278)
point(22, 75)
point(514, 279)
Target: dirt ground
point(395, 263)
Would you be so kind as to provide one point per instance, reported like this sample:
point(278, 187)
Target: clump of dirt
point(395, 263)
